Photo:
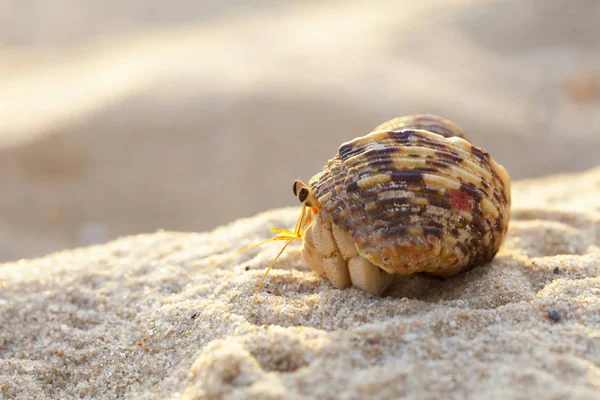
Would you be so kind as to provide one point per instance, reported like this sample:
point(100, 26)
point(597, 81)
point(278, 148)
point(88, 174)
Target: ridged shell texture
point(417, 201)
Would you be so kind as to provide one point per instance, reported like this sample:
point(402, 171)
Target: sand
point(141, 317)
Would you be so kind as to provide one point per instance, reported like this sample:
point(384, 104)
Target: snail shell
point(426, 122)
point(412, 196)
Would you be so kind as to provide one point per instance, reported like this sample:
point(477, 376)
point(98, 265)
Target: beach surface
point(142, 317)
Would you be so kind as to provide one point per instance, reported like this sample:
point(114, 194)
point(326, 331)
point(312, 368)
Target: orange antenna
point(262, 281)
point(283, 234)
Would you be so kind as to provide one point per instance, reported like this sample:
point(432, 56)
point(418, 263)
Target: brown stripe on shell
point(436, 163)
point(408, 138)
point(480, 154)
point(415, 201)
point(445, 155)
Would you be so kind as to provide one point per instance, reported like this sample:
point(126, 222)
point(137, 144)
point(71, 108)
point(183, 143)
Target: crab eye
point(303, 194)
point(295, 188)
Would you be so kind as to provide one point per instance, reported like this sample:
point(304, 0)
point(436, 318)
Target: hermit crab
point(412, 196)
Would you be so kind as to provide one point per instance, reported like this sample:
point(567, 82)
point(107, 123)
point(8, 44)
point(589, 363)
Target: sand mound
point(138, 317)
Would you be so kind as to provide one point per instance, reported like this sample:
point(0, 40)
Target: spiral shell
point(426, 122)
point(415, 196)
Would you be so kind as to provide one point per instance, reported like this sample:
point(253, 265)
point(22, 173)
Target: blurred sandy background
point(125, 117)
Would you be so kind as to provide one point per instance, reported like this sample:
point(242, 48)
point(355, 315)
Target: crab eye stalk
point(304, 194)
